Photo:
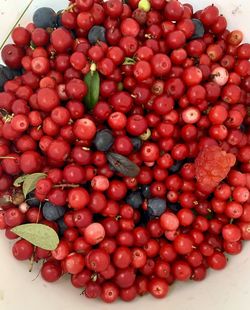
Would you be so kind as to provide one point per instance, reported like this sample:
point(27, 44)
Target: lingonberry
point(181, 270)
point(78, 198)
point(22, 250)
point(51, 271)
point(97, 260)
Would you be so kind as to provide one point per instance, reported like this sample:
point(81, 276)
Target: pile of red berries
point(150, 183)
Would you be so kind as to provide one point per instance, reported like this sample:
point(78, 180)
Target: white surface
point(225, 290)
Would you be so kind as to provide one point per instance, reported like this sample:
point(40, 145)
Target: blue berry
point(3, 80)
point(134, 199)
point(137, 143)
point(156, 207)
point(176, 166)
point(62, 226)
point(96, 33)
point(199, 29)
point(52, 212)
point(44, 18)
point(59, 19)
point(7, 74)
point(32, 201)
point(145, 190)
point(103, 140)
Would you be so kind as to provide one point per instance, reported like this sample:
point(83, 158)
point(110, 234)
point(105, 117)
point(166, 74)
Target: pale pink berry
point(100, 183)
point(191, 115)
point(220, 76)
point(94, 233)
point(23, 207)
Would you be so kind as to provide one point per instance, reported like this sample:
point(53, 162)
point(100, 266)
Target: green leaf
point(123, 165)
point(30, 181)
point(19, 180)
point(129, 61)
point(39, 235)
point(92, 79)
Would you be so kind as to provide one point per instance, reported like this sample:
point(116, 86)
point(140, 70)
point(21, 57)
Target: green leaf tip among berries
point(39, 235)
point(92, 79)
point(129, 61)
point(28, 182)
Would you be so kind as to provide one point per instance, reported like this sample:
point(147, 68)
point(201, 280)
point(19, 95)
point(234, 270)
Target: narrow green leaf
point(129, 61)
point(92, 79)
point(19, 180)
point(39, 235)
point(30, 182)
point(123, 165)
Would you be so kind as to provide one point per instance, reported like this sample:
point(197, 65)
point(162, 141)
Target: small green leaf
point(30, 181)
point(19, 180)
point(92, 79)
point(39, 235)
point(129, 61)
point(123, 165)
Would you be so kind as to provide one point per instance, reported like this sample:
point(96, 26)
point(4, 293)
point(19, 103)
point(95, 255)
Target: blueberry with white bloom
point(44, 18)
point(134, 199)
point(156, 207)
point(52, 212)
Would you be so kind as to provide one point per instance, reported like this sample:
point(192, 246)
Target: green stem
point(2, 45)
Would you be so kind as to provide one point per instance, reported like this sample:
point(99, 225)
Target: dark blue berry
point(59, 19)
point(96, 33)
point(62, 226)
point(44, 18)
point(199, 29)
point(52, 212)
point(174, 207)
point(137, 143)
point(32, 201)
point(156, 207)
point(176, 166)
point(134, 199)
point(7, 74)
point(145, 190)
point(3, 80)
point(103, 140)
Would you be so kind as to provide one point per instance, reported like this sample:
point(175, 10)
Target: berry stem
point(66, 185)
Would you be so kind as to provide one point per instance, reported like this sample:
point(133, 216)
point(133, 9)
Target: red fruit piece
point(212, 165)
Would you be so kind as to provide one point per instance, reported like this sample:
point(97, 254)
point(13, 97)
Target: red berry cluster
point(185, 98)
